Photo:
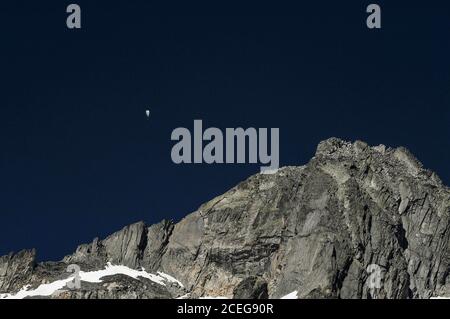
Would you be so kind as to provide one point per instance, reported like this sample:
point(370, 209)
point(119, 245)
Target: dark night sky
point(79, 158)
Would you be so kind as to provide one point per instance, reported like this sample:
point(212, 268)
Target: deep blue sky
point(79, 159)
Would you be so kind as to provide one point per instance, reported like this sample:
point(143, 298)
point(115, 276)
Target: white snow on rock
point(42, 290)
point(94, 277)
point(110, 270)
point(169, 278)
point(292, 295)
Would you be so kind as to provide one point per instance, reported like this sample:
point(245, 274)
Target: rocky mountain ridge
point(315, 230)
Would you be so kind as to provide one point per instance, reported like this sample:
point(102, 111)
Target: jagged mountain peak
point(316, 230)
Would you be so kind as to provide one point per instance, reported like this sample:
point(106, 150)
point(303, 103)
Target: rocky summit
point(313, 231)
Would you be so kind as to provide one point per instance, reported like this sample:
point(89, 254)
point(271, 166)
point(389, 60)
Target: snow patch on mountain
point(171, 279)
point(96, 276)
point(292, 295)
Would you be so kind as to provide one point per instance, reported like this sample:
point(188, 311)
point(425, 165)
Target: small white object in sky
point(147, 112)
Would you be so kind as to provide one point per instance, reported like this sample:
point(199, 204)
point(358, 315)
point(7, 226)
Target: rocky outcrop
point(355, 222)
point(15, 269)
point(117, 287)
point(125, 247)
point(251, 288)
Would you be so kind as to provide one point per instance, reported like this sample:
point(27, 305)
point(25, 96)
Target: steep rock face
point(322, 230)
point(251, 288)
point(158, 236)
point(316, 229)
point(122, 248)
point(16, 269)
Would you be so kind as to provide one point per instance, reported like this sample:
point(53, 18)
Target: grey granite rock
point(251, 288)
point(15, 269)
point(318, 229)
point(116, 287)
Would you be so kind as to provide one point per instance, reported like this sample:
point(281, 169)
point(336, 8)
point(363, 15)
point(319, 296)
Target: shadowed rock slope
point(314, 229)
